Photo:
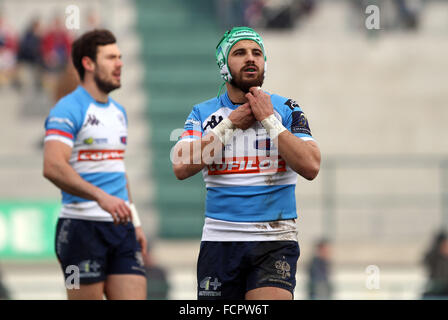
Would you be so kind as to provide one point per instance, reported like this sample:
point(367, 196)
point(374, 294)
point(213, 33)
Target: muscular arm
point(58, 170)
point(190, 157)
point(302, 156)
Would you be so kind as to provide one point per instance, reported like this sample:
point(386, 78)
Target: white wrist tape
point(273, 126)
point(224, 130)
point(135, 218)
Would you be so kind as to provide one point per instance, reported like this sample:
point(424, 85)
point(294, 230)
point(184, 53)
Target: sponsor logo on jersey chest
point(100, 155)
point(239, 165)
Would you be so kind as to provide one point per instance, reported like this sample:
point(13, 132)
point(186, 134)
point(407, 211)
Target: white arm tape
point(135, 218)
point(224, 130)
point(273, 126)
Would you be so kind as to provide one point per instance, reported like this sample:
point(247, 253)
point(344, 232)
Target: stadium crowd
point(39, 56)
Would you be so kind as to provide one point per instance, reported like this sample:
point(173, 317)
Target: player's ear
point(88, 64)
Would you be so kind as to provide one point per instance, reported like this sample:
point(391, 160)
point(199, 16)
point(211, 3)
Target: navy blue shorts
point(98, 249)
point(227, 270)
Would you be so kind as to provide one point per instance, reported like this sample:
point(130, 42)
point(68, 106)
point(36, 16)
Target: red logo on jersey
point(248, 165)
point(100, 155)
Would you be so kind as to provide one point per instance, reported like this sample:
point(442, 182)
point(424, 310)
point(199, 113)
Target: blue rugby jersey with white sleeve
point(252, 184)
point(97, 134)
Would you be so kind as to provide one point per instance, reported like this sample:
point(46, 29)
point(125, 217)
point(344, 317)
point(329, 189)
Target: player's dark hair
point(87, 46)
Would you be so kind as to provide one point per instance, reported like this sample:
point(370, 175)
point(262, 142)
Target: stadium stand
point(178, 51)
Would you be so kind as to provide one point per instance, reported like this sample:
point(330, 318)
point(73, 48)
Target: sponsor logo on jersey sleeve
point(61, 120)
point(193, 122)
point(300, 123)
point(291, 104)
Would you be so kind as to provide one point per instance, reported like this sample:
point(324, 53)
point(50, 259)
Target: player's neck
point(91, 87)
point(236, 95)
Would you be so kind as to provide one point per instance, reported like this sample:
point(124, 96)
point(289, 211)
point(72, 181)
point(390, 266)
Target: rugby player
point(250, 145)
point(98, 231)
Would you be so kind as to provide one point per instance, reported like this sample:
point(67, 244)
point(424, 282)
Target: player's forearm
point(191, 157)
point(302, 156)
point(67, 179)
point(184, 171)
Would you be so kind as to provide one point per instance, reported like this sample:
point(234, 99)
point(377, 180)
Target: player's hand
point(260, 103)
point(242, 117)
point(116, 207)
point(141, 239)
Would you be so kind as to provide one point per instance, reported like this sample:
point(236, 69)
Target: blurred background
point(369, 225)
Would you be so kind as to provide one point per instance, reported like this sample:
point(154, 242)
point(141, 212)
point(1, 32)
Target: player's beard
point(245, 85)
point(103, 84)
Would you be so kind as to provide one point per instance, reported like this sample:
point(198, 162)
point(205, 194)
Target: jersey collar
point(98, 104)
point(225, 101)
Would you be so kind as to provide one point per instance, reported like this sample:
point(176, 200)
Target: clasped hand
point(258, 108)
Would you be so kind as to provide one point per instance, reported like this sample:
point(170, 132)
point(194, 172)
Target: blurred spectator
point(157, 284)
point(8, 53)
point(30, 44)
point(436, 264)
point(4, 294)
point(29, 55)
point(56, 46)
point(286, 14)
point(319, 272)
point(408, 16)
point(279, 14)
point(7, 64)
point(230, 12)
point(253, 14)
point(56, 49)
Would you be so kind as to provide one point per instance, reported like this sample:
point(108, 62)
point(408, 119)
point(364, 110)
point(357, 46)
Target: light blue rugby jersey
point(253, 183)
point(97, 133)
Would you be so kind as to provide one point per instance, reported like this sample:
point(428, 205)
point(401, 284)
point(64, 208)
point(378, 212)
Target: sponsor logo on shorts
point(89, 269)
point(100, 155)
point(139, 258)
point(210, 287)
point(63, 235)
point(283, 268)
